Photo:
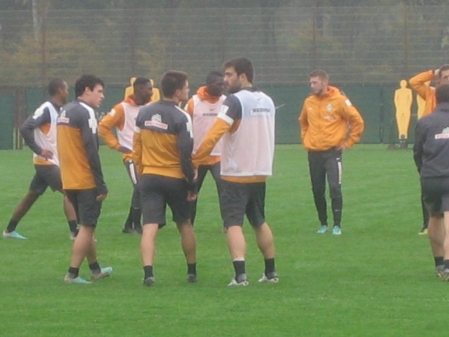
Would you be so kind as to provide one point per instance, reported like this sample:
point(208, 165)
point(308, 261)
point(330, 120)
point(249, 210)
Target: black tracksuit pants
point(324, 164)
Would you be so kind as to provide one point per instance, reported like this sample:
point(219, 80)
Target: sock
point(95, 268)
point(129, 219)
point(136, 216)
point(73, 226)
point(12, 226)
point(239, 267)
point(191, 268)
point(148, 270)
point(439, 260)
point(73, 272)
point(269, 266)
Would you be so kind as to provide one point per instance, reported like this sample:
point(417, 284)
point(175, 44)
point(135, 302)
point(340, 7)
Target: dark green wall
point(375, 103)
point(7, 104)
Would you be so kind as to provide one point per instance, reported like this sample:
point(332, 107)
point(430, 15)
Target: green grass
point(375, 280)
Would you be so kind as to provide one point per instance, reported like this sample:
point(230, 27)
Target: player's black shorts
point(46, 175)
point(436, 195)
point(237, 199)
point(86, 206)
point(157, 192)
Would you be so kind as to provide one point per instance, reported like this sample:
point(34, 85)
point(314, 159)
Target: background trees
point(363, 41)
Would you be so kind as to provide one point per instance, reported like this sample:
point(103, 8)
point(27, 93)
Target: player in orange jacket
point(329, 124)
point(123, 118)
point(426, 91)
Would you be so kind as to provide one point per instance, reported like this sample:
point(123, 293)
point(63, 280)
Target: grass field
point(375, 280)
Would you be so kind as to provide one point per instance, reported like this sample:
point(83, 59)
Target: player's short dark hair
point(241, 65)
point(444, 67)
point(87, 81)
point(213, 76)
point(171, 81)
point(442, 93)
point(319, 73)
point(139, 81)
point(55, 85)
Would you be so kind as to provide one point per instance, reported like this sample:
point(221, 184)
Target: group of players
point(167, 152)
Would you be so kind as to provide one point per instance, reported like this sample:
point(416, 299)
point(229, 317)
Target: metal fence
point(366, 50)
point(354, 44)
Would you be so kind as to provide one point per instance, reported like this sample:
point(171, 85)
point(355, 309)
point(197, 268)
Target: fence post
point(314, 35)
point(19, 111)
point(44, 60)
point(406, 47)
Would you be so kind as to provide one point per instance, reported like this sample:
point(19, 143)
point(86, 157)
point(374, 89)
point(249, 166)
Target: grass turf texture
point(375, 280)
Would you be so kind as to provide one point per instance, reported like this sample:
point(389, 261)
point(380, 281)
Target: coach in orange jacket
point(329, 124)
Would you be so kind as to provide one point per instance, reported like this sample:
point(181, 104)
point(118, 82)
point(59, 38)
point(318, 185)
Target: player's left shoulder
point(341, 97)
point(345, 101)
point(181, 114)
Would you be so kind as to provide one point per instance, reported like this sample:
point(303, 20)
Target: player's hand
point(341, 147)
point(191, 196)
point(101, 197)
point(123, 149)
point(46, 154)
point(436, 72)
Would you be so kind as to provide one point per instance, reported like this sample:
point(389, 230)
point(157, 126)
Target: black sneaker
point(138, 229)
point(192, 278)
point(128, 230)
point(74, 234)
point(149, 281)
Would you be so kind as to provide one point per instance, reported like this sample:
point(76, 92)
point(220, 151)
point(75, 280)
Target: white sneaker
point(272, 278)
point(234, 283)
point(13, 235)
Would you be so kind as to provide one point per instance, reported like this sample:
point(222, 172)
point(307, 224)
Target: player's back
point(77, 125)
point(161, 125)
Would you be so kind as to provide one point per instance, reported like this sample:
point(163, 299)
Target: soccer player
point(431, 151)
point(162, 153)
point(39, 133)
point(246, 123)
point(203, 108)
point(82, 176)
point(123, 118)
point(329, 124)
point(421, 84)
